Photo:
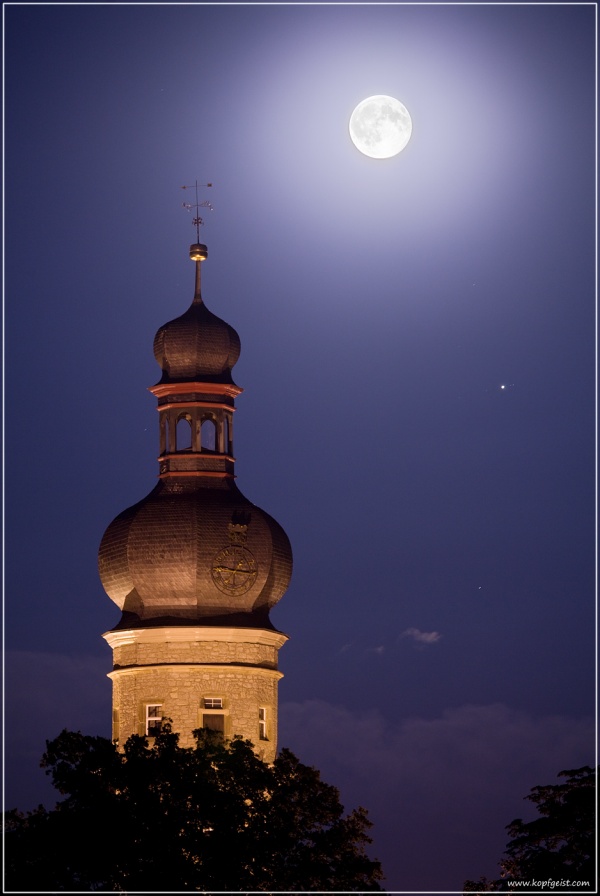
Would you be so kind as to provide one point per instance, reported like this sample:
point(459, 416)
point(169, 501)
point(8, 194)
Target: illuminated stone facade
point(195, 567)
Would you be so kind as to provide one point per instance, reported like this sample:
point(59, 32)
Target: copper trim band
point(213, 473)
point(162, 389)
point(195, 454)
point(195, 404)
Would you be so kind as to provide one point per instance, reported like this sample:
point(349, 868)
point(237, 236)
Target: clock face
point(234, 570)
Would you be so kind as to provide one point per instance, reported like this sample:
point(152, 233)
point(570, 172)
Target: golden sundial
point(234, 569)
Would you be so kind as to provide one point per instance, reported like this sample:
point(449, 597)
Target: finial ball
point(198, 252)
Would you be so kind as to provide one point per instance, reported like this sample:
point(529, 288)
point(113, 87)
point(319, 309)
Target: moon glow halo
point(380, 126)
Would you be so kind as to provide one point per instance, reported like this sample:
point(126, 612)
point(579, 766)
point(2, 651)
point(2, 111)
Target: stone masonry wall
point(239, 652)
point(181, 689)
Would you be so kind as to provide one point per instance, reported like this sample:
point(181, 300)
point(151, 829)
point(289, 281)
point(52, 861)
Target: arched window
point(227, 436)
point(208, 432)
point(164, 434)
point(184, 434)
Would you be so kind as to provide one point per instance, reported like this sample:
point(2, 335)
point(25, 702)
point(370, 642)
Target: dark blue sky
point(441, 612)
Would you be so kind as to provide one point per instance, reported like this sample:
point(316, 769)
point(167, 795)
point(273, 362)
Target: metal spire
point(198, 251)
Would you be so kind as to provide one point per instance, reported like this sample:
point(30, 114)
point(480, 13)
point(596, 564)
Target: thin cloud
point(377, 651)
point(421, 637)
point(454, 780)
point(46, 692)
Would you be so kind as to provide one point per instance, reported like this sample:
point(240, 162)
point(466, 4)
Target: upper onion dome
point(196, 346)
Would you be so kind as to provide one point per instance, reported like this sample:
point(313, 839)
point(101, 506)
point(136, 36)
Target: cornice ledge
point(174, 634)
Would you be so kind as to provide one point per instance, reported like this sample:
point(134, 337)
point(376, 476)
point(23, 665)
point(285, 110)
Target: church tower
point(195, 567)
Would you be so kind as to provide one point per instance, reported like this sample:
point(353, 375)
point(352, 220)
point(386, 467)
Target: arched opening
point(227, 436)
point(164, 434)
point(208, 433)
point(184, 434)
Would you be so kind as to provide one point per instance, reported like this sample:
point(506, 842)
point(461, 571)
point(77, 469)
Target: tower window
point(212, 718)
point(208, 432)
point(213, 703)
point(164, 434)
point(184, 434)
point(262, 723)
point(227, 436)
point(153, 719)
point(214, 721)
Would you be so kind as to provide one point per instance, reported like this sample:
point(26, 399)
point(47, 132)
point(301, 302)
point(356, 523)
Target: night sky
point(441, 611)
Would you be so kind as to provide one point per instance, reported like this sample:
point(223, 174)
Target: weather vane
point(197, 221)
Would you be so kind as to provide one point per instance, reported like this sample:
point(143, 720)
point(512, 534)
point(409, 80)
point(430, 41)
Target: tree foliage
point(559, 845)
point(164, 818)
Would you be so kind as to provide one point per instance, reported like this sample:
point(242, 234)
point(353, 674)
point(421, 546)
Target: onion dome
point(195, 553)
point(196, 346)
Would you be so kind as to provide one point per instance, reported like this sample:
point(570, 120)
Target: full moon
point(380, 126)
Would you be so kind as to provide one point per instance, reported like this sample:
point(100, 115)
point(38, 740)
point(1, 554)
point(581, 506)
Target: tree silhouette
point(560, 845)
point(164, 818)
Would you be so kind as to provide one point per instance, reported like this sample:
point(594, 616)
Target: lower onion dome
point(193, 553)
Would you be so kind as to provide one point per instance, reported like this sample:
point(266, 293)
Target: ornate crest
point(234, 569)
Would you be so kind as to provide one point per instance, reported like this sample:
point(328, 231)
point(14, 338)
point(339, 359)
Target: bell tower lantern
point(194, 566)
